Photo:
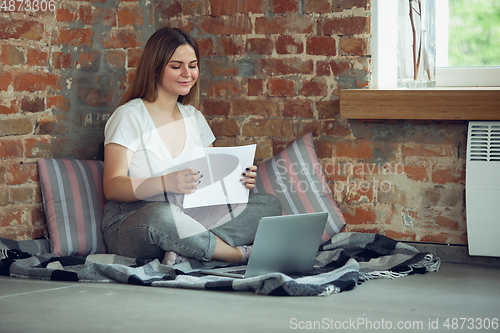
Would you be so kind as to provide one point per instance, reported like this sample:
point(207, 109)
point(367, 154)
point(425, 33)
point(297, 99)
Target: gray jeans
point(144, 229)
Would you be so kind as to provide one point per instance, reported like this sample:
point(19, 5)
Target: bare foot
point(171, 258)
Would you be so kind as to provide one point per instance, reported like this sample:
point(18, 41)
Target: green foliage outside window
point(474, 33)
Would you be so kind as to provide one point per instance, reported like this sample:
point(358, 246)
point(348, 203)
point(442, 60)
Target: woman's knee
point(269, 204)
point(275, 205)
point(156, 216)
point(138, 243)
point(142, 231)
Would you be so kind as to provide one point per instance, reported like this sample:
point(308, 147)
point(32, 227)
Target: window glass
point(473, 33)
point(479, 17)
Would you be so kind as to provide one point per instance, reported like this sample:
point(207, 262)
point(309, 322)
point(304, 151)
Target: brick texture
point(57, 67)
point(271, 71)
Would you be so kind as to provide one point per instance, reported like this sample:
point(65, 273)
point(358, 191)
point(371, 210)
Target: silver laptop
point(285, 244)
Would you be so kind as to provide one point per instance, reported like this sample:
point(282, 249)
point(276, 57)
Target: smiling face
point(180, 73)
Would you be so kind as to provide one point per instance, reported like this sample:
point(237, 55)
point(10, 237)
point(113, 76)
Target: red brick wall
point(63, 69)
point(271, 72)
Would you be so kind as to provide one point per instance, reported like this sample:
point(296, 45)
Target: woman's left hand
point(249, 175)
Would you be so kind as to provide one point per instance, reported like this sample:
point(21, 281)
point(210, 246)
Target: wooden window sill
point(429, 104)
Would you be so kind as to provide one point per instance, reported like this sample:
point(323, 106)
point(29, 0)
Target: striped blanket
point(342, 263)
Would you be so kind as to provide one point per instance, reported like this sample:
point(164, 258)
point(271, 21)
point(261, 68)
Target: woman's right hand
point(183, 182)
point(118, 186)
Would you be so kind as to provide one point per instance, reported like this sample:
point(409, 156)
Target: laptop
point(285, 244)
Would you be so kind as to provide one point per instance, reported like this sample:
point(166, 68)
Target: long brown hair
point(157, 53)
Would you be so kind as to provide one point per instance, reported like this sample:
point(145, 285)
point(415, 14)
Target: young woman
point(148, 144)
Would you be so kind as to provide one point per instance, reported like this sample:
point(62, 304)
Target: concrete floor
point(417, 302)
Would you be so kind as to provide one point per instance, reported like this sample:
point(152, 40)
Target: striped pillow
point(295, 177)
point(73, 201)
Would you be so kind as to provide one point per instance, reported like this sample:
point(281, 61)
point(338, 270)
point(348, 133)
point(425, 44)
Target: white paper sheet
point(221, 168)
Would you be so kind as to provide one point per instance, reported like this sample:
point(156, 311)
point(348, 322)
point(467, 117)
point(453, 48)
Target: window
point(468, 43)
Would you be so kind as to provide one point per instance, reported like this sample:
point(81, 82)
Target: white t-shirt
point(131, 126)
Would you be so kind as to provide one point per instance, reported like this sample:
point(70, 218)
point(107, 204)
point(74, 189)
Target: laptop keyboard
point(239, 272)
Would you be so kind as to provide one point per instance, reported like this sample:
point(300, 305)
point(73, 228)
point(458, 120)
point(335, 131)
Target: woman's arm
point(118, 186)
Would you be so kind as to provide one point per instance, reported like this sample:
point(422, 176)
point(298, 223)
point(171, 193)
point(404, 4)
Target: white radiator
point(482, 188)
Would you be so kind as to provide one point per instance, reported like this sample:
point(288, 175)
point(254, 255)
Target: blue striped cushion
point(295, 177)
point(73, 201)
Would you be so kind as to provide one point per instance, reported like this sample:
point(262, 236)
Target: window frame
point(384, 56)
